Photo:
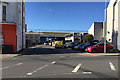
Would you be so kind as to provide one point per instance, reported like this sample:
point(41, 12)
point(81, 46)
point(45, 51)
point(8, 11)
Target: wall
point(119, 25)
point(33, 38)
point(0, 13)
point(9, 33)
point(113, 25)
point(19, 26)
point(91, 30)
point(14, 15)
point(98, 27)
point(96, 30)
point(11, 16)
point(109, 21)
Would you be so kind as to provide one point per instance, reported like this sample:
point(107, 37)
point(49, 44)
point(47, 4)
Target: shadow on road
point(42, 50)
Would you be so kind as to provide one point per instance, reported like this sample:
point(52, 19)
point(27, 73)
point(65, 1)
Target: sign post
point(105, 25)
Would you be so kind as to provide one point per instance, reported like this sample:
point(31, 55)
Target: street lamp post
point(105, 25)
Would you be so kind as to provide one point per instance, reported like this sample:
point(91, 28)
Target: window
point(4, 13)
point(36, 37)
point(101, 44)
point(31, 36)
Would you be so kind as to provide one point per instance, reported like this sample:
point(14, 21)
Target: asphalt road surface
point(47, 62)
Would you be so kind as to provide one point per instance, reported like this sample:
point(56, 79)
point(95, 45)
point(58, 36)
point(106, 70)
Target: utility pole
point(105, 25)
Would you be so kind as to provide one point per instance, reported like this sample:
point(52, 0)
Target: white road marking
point(18, 64)
point(76, 68)
point(72, 73)
point(53, 62)
point(112, 66)
point(87, 72)
point(29, 74)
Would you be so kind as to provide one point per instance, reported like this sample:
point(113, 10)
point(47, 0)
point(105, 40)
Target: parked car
point(46, 43)
point(67, 44)
point(94, 41)
point(74, 44)
point(83, 47)
point(77, 46)
point(71, 44)
point(99, 47)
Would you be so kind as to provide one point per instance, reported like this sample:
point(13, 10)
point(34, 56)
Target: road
point(47, 62)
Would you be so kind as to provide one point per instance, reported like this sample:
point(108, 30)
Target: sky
point(63, 16)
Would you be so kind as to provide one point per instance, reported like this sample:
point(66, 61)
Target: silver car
point(77, 47)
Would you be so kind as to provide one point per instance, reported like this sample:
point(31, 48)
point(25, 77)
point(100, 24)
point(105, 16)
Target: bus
point(74, 37)
point(52, 41)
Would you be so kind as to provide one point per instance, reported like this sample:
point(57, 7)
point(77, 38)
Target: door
point(101, 48)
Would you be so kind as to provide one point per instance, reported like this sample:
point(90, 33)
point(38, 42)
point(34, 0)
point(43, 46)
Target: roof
point(48, 33)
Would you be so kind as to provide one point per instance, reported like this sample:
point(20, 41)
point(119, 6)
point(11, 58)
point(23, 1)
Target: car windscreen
point(95, 44)
point(81, 44)
point(69, 42)
point(87, 44)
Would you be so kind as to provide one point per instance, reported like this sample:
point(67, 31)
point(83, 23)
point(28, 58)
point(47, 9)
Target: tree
point(87, 38)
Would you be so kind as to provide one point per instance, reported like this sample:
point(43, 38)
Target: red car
point(99, 47)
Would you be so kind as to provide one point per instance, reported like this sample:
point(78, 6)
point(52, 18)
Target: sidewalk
point(100, 54)
point(9, 55)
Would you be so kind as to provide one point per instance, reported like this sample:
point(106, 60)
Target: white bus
point(74, 37)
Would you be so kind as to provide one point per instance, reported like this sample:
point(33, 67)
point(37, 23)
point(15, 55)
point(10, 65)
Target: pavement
point(9, 55)
point(46, 62)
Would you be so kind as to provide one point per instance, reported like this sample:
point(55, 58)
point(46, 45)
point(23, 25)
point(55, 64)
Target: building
point(41, 37)
point(74, 37)
point(113, 23)
point(96, 30)
point(12, 21)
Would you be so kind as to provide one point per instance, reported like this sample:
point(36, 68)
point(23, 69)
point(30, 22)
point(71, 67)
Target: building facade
point(12, 19)
point(113, 23)
point(96, 30)
point(41, 37)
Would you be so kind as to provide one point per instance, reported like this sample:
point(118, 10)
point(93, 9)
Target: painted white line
point(112, 66)
point(76, 68)
point(18, 64)
point(29, 74)
point(87, 72)
point(53, 62)
point(36, 70)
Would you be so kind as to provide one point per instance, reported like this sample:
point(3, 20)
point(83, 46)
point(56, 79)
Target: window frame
point(4, 12)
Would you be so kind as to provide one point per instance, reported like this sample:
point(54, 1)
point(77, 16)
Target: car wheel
point(94, 50)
